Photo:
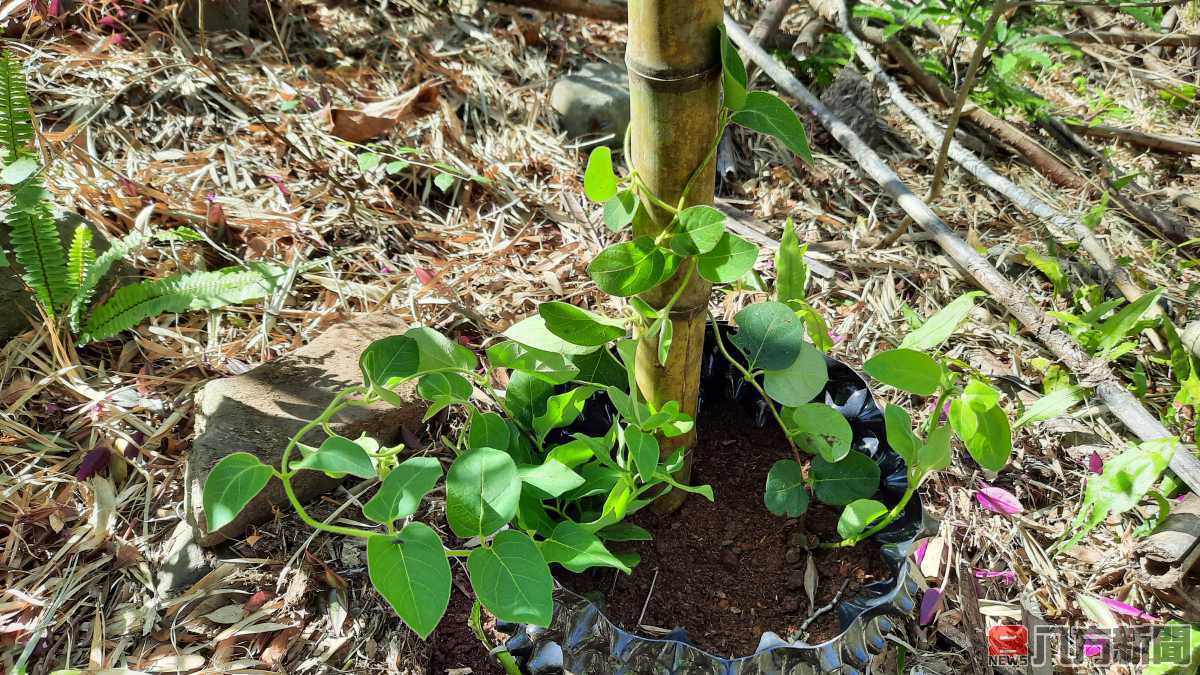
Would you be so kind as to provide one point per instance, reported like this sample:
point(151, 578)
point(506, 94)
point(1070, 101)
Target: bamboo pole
point(1090, 371)
point(674, 100)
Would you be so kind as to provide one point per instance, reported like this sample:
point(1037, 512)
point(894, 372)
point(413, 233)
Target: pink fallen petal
point(998, 500)
point(931, 602)
point(424, 275)
point(919, 554)
point(108, 21)
point(1128, 610)
point(1093, 645)
point(1007, 576)
point(1096, 463)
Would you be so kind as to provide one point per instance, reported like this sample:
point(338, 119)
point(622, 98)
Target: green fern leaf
point(37, 246)
point(80, 257)
point(194, 291)
point(94, 274)
point(16, 123)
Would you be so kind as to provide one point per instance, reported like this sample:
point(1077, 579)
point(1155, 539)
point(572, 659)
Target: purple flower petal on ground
point(1093, 645)
point(1128, 610)
point(931, 602)
point(1096, 463)
point(998, 500)
point(919, 554)
point(1007, 576)
point(94, 462)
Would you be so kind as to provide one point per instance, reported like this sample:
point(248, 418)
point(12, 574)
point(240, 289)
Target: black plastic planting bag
point(580, 640)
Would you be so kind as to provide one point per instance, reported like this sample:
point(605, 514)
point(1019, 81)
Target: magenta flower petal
point(1128, 610)
point(1093, 645)
point(919, 554)
point(931, 602)
point(998, 500)
point(1007, 576)
point(1096, 463)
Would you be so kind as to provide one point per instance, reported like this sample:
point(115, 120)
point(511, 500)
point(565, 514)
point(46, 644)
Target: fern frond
point(80, 256)
point(196, 290)
point(95, 271)
point(37, 246)
point(16, 123)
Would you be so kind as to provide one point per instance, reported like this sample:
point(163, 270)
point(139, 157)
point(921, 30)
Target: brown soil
point(729, 570)
point(454, 645)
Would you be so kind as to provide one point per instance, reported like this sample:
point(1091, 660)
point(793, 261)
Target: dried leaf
point(376, 119)
point(810, 581)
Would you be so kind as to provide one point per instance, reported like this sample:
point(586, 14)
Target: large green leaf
point(549, 366)
point(729, 260)
point(599, 181)
point(819, 429)
point(482, 491)
point(600, 367)
point(630, 267)
point(905, 369)
point(700, 228)
point(985, 432)
point(443, 390)
point(561, 410)
point(769, 334)
point(579, 326)
point(231, 485)
point(551, 477)
point(767, 113)
point(643, 450)
point(439, 352)
point(512, 580)
point(412, 573)
point(838, 484)
point(786, 493)
point(525, 397)
point(577, 549)
point(390, 360)
point(402, 491)
point(619, 211)
point(532, 332)
point(942, 324)
point(487, 430)
point(338, 455)
point(800, 382)
point(858, 516)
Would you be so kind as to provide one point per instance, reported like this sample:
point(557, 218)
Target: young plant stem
point(749, 377)
point(964, 92)
point(890, 516)
point(285, 476)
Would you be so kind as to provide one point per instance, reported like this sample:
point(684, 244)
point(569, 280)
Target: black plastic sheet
point(580, 640)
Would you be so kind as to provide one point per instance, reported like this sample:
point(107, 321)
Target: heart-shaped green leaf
point(512, 580)
point(551, 477)
point(599, 181)
point(402, 491)
point(389, 360)
point(579, 326)
point(630, 267)
point(819, 429)
point(549, 366)
point(644, 450)
point(898, 425)
point(412, 573)
point(800, 382)
point(533, 333)
point(487, 430)
point(729, 260)
point(231, 485)
point(838, 484)
point(905, 369)
point(482, 490)
point(700, 228)
point(339, 455)
point(440, 353)
point(443, 390)
point(858, 516)
point(786, 494)
point(619, 211)
point(769, 334)
point(986, 433)
point(525, 397)
point(767, 113)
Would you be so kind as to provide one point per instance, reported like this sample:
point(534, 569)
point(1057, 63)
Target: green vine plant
point(64, 279)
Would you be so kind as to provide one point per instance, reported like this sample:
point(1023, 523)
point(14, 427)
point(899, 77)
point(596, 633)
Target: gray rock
point(593, 102)
point(181, 562)
point(218, 15)
point(258, 412)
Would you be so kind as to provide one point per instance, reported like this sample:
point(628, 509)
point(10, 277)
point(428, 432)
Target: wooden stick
point(593, 10)
point(1041, 159)
point(1165, 143)
point(1123, 37)
point(768, 25)
point(1073, 227)
point(1089, 371)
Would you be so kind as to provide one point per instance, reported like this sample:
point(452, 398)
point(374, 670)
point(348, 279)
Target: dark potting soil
point(453, 646)
point(730, 570)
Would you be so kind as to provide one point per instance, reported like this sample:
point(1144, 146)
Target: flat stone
point(218, 15)
point(258, 411)
point(181, 562)
point(593, 102)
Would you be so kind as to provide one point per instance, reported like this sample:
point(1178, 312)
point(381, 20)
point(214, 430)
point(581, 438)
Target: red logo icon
point(1008, 641)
